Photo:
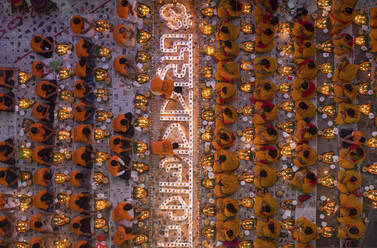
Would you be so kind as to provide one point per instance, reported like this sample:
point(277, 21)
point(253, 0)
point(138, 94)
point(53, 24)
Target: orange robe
point(162, 87)
point(163, 147)
point(119, 214)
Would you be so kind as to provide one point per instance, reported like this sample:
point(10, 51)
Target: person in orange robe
point(227, 71)
point(42, 46)
point(349, 181)
point(8, 177)
point(123, 124)
point(341, 18)
point(303, 30)
point(42, 177)
point(307, 69)
point(344, 92)
point(80, 202)
point(226, 208)
point(347, 114)
point(224, 138)
point(77, 25)
point(4, 206)
point(226, 50)
point(164, 87)
point(350, 137)
point(227, 114)
point(83, 133)
point(164, 148)
point(303, 89)
point(269, 229)
point(350, 205)
point(120, 144)
point(76, 178)
point(84, 49)
point(226, 92)
point(38, 223)
point(81, 226)
point(43, 155)
point(265, 134)
point(350, 228)
point(266, 155)
point(227, 31)
point(40, 69)
point(46, 90)
point(304, 230)
point(8, 77)
point(228, 230)
point(42, 111)
point(125, 67)
point(304, 49)
point(265, 205)
point(6, 227)
point(229, 9)
point(83, 69)
point(264, 112)
point(83, 156)
point(7, 151)
point(343, 44)
point(350, 157)
point(40, 133)
point(122, 34)
point(43, 200)
point(264, 176)
point(123, 9)
point(83, 111)
point(304, 110)
point(118, 167)
point(265, 41)
point(82, 89)
point(265, 66)
point(225, 161)
point(304, 180)
point(124, 211)
point(264, 90)
point(304, 155)
point(305, 131)
point(7, 102)
point(122, 235)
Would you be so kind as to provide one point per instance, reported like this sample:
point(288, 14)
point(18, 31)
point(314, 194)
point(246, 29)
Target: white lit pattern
point(176, 190)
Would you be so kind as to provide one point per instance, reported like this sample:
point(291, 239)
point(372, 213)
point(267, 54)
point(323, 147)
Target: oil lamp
point(64, 113)
point(371, 194)
point(248, 224)
point(22, 227)
point(287, 174)
point(142, 78)
point(140, 167)
point(209, 12)
point(285, 28)
point(60, 178)
point(372, 169)
point(286, 151)
point(245, 244)
point(326, 46)
point(142, 36)
point(102, 26)
point(327, 133)
point(287, 224)
point(329, 110)
point(63, 48)
point(206, 29)
point(65, 73)
point(103, 94)
point(288, 205)
point(327, 157)
point(365, 108)
point(208, 232)
point(327, 181)
point(21, 244)
point(321, 23)
point(247, 202)
point(364, 88)
point(208, 50)
point(372, 142)
point(206, 72)
point(141, 102)
point(100, 74)
point(142, 10)
point(142, 57)
point(286, 49)
point(100, 133)
point(140, 147)
point(247, 46)
point(101, 204)
point(61, 220)
point(63, 198)
point(207, 93)
point(360, 40)
point(208, 115)
point(286, 70)
point(361, 19)
point(67, 95)
point(288, 126)
point(327, 231)
point(209, 210)
point(248, 134)
point(140, 193)
point(246, 87)
point(144, 215)
point(326, 89)
point(64, 243)
point(100, 178)
point(246, 65)
point(26, 176)
point(247, 110)
point(247, 177)
point(208, 183)
point(247, 28)
point(207, 136)
point(289, 245)
point(323, 4)
point(25, 154)
point(101, 157)
point(328, 207)
point(25, 103)
point(245, 154)
point(102, 115)
point(287, 106)
point(207, 160)
point(23, 77)
point(365, 66)
point(326, 68)
point(25, 202)
point(141, 122)
point(246, 8)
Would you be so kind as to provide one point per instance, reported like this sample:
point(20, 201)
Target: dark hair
point(224, 90)
point(224, 29)
point(228, 43)
point(353, 179)
point(303, 105)
point(175, 145)
point(265, 62)
point(353, 211)
point(348, 10)
point(228, 112)
point(263, 173)
point(44, 87)
point(86, 156)
point(347, 37)
point(308, 230)
point(267, 86)
point(78, 86)
point(312, 130)
point(304, 84)
point(301, 12)
point(309, 27)
point(34, 130)
point(229, 233)
point(222, 158)
point(76, 225)
point(114, 162)
point(224, 136)
point(2, 174)
point(266, 208)
point(351, 112)
point(82, 62)
point(271, 131)
point(267, 108)
point(38, 224)
point(308, 44)
point(311, 64)
point(359, 151)
point(39, 66)
point(178, 89)
point(79, 175)
point(37, 39)
point(271, 226)
point(311, 176)
point(47, 176)
point(4, 223)
point(306, 154)
point(268, 31)
point(2, 148)
point(87, 44)
point(116, 141)
point(124, 122)
point(127, 207)
point(122, 61)
point(40, 108)
point(274, 20)
point(348, 87)
point(86, 245)
point(124, 3)
point(76, 20)
point(362, 139)
point(354, 230)
point(46, 197)
point(235, 5)
point(36, 245)
point(272, 153)
point(231, 208)
point(86, 130)
point(128, 229)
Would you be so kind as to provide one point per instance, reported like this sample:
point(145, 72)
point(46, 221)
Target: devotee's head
point(76, 225)
point(178, 89)
point(311, 64)
point(229, 233)
point(125, 3)
point(128, 230)
point(348, 87)
point(86, 131)
point(304, 85)
point(38, 224)
point(271, 131)
point(271, 226)
point(312, 130)
point(39, 66)
point(306, 154)
point(351, 112)
point(230, 207)
point(268, 31)
point(300, 12)
point(274, 20)
point(353, 179)
point(266, 209)
point(354, 230)
point(267, 108)
point(175, 145)
point(222, 158)
point(36, 245)
point(265, 62)
point(124, 122)
point(46, 197)
point(303, 105)
point(114, 163)
point(224, 136)
point(236, 5)
point(2, 174)
point(272, 153)
point(228, 43)
point(122, 61)
point(37, 39)
point(82, 62)
point(309, 27)
point(224, 29)
point(34, 130)
point(76, 20)
point(47, 176)
point(348, 10)
point(263, 173)
point(267, 86)
point(353, 212)
point(308, 44)
point(311, 176)
point(308, 230)
point(127, 207)
point(79, 176)
point(228, 112)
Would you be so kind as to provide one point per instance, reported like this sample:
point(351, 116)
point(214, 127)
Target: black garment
point(85, 226)
point(10, 177)
point(344, 133)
